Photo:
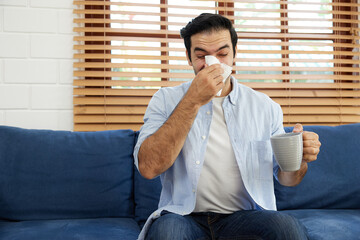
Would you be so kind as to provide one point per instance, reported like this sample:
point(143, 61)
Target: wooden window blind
point(304, 54)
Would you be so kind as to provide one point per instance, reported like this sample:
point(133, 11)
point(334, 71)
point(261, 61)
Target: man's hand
point(311, 144)
point(205, 85)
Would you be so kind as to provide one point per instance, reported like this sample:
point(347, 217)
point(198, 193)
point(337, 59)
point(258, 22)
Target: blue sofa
point(83, 185)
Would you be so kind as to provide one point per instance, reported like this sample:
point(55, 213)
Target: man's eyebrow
point(225, 46)
point(203, 50)
point(199, 49)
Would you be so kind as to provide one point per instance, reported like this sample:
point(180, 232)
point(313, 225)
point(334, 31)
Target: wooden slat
point(121, 56)
point(300, 3)
point(184, 7)
point(174, 32)
point(110, 83)
point(128, 48)
point(109, 110)
point(103, 127)
point(130, 65)
point(124, 30)
point(86, 110)
point(310, 86)
point(302, 43)
point(221, 8)
point(334, 20)
point(107, 12)
point(256, 85)
point(114, 92)
point(142, 109)
point(335, 53)
point(322, 36)
point(192, 75)
point(179, 40)
point(296, 77)
point(293, 60)
point(322, 118)
point(142, 101)
point(102, 65)
point(132, 74)
point(108, 118)
point(182, 49)
point(321, 110)
point(269, 92)
point(115, 38)
point(312, 94)
point(149, 57)
point(282, 101)
point(317, 101)
point(273, 60)
point(241, 42)
point(236, 26)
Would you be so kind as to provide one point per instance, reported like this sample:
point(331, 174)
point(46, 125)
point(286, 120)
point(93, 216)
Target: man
point(213, 153)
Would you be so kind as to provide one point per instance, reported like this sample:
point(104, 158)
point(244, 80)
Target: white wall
point(36, 42)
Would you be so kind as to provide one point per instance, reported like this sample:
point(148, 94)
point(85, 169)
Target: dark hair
point(207, 22)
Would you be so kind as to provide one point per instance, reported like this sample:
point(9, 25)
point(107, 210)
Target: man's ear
point(235, 54)
point(188, 58)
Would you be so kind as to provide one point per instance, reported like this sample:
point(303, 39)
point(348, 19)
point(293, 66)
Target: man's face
point(216, 43)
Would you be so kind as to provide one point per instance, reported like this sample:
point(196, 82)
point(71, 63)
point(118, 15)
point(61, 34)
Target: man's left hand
point(311, 144)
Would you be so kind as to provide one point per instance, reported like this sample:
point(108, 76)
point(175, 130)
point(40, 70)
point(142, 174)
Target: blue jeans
point(249, 224)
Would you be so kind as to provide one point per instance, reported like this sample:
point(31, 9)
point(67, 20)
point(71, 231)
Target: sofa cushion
point(332, 181)
point(48, 174)
point(147, 194)
point(325, 224)
point(81, 229)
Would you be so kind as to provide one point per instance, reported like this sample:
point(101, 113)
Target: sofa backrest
point(332, 181)
point(48, 174)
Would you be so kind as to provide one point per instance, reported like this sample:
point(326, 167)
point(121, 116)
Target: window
point(303, 54)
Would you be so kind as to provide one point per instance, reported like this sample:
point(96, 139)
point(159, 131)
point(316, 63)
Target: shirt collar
point(234, 94)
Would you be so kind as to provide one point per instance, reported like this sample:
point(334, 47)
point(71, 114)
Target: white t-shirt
point(220, 188)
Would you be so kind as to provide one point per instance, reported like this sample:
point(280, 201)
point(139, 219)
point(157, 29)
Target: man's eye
point(223, 55)
point(201, 57)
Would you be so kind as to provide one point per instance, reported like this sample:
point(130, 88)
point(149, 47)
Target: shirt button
point(194, 190)
point(203, 137)
point(208, 112)
point(197, 162)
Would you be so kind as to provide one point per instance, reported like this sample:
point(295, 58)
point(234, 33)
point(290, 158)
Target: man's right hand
point(207, 83)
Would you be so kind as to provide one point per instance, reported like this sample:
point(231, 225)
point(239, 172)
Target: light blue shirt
point(251, 118)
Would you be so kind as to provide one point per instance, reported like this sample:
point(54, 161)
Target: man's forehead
point(214, 40)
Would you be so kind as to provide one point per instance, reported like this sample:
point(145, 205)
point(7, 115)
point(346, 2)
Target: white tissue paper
point(210, 60)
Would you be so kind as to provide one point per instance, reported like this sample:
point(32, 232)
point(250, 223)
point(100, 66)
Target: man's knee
point(270, 225)
point(171, 226)
point(285, 226)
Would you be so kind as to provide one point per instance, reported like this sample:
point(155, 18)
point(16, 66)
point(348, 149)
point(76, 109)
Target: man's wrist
point(304, 166)
point(189, 104)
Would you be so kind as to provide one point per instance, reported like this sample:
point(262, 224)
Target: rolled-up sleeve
point(154, 118)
